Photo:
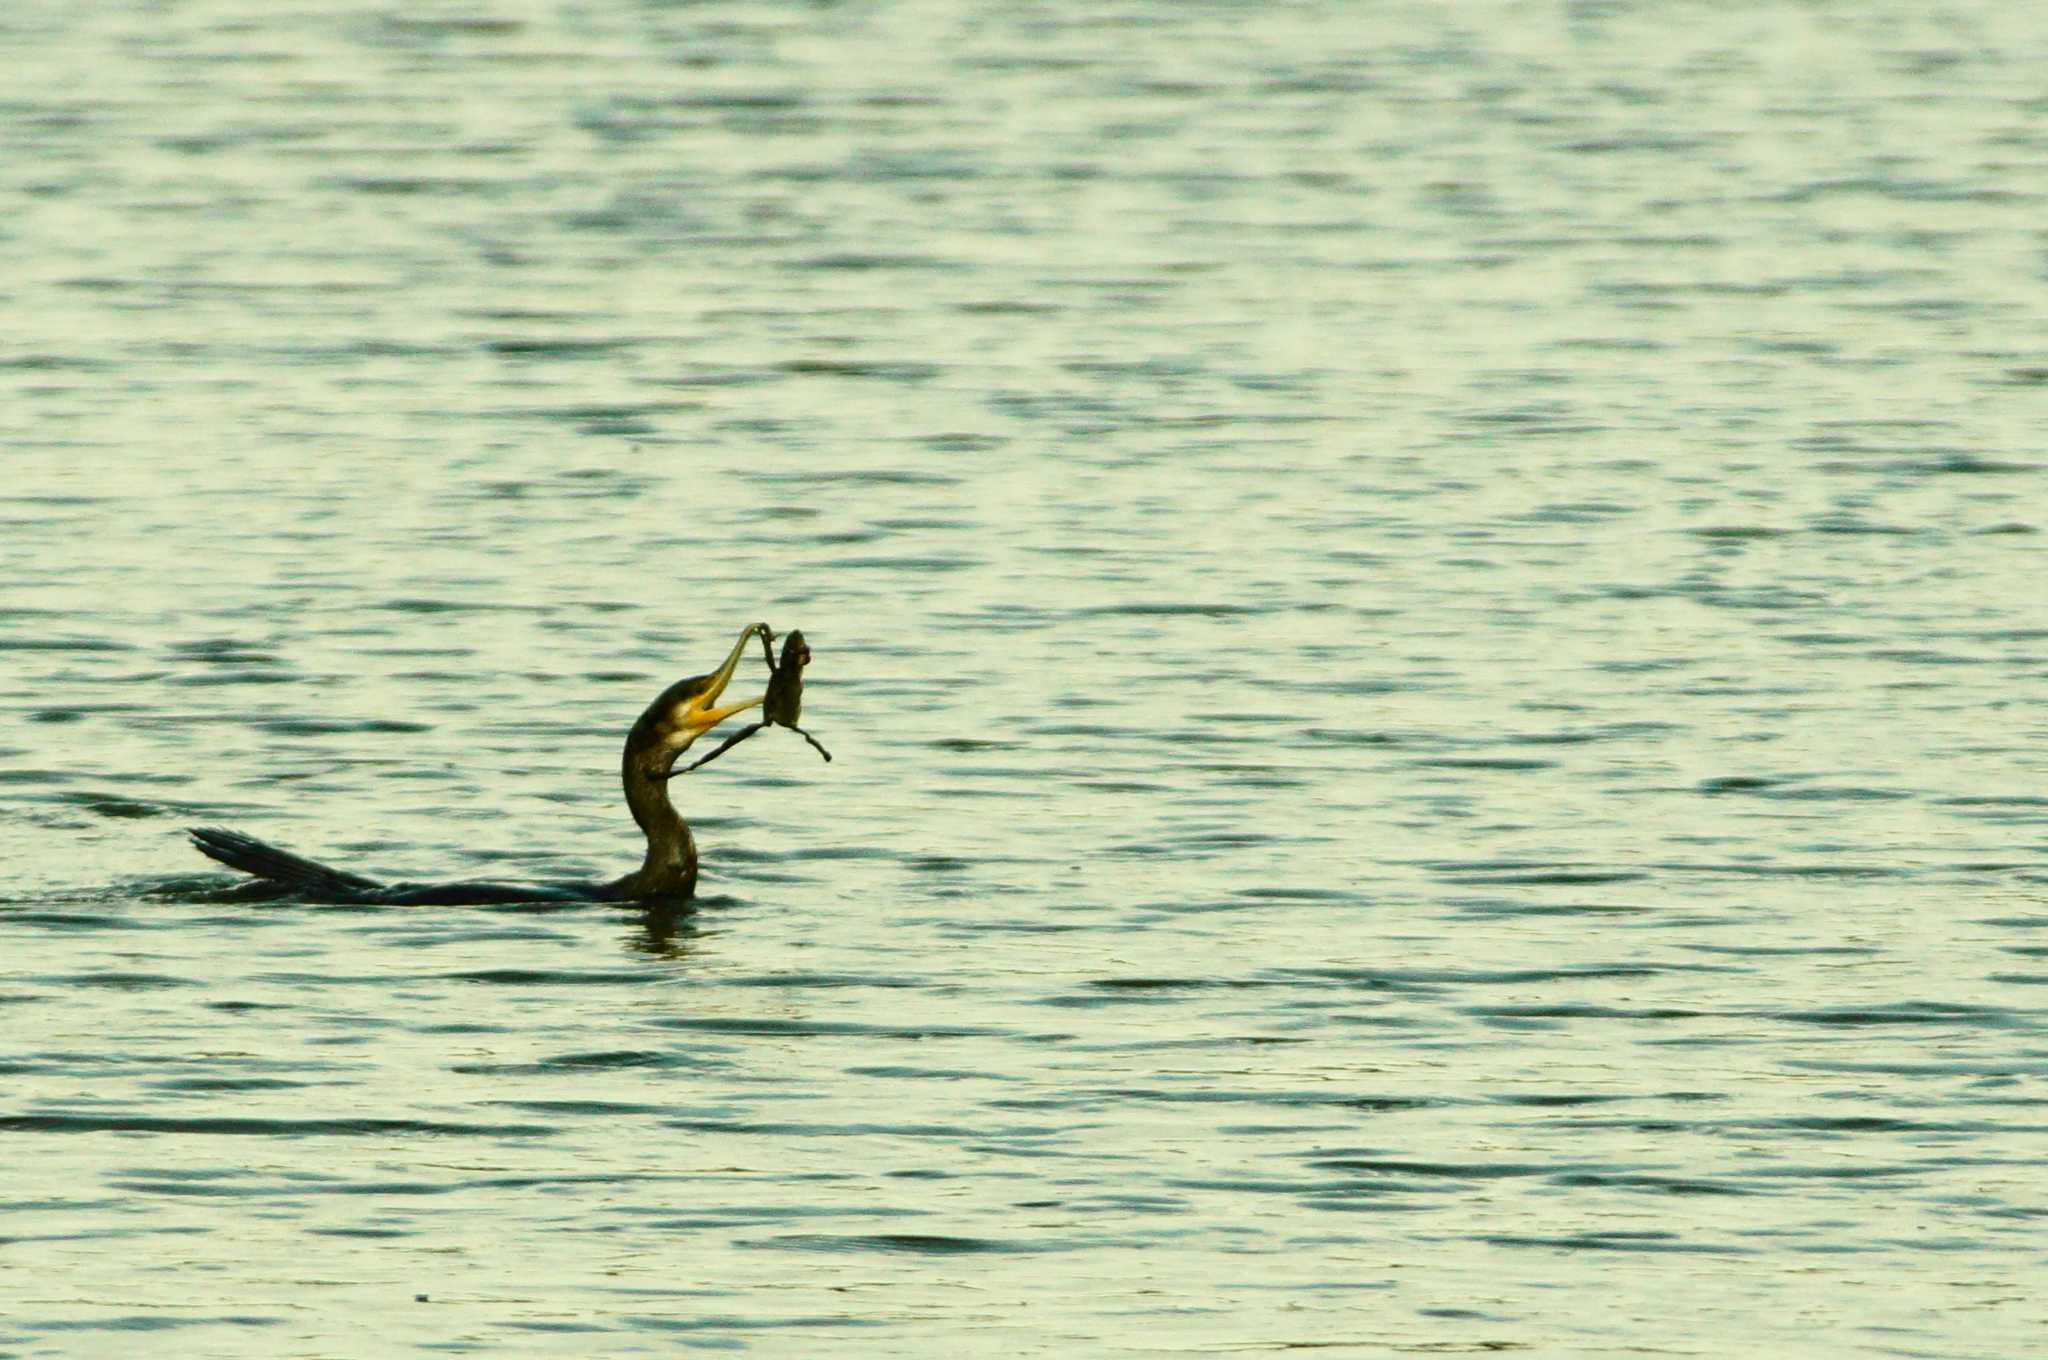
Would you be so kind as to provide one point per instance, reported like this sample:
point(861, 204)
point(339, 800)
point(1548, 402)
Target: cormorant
point(685, 711)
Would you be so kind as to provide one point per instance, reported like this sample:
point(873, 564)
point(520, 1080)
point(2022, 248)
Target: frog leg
point(807, 737)
point(730, 742)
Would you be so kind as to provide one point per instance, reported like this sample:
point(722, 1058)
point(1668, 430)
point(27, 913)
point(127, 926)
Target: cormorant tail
point(252, 856)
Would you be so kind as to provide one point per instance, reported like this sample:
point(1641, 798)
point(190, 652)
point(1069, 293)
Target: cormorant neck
point(670, 869)
point(683, 712)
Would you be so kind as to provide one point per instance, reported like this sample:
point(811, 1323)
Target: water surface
point(1430, 619)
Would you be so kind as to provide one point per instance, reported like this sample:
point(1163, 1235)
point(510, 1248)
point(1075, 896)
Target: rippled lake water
point(1431, 619)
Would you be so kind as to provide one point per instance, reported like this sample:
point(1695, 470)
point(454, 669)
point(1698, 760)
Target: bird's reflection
point(664, 930)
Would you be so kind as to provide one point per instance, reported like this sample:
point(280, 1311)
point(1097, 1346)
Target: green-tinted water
point(1430, 618)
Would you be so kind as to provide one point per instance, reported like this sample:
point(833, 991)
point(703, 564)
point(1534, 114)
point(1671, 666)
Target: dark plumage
point(684, 711)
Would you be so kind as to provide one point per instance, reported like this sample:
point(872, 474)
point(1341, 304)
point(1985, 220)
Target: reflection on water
point(1429, 627)
point(664, 930)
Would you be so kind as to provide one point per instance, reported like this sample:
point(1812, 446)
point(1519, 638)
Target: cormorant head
point(685, 711)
